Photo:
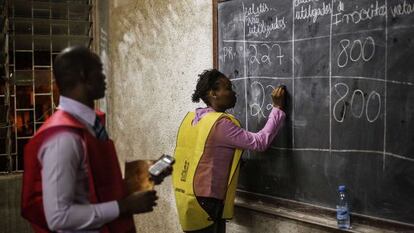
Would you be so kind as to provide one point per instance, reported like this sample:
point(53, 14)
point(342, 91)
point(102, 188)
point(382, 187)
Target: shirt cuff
point(109, 210)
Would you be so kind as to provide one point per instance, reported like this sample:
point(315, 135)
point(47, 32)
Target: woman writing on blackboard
point(208, 150)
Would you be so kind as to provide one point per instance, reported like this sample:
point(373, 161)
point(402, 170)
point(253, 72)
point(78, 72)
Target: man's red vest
point(105, 179)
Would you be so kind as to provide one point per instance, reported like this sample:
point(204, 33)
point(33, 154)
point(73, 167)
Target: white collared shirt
point(65, 180)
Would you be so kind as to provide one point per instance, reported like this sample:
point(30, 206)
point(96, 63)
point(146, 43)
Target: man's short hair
point(71, 65)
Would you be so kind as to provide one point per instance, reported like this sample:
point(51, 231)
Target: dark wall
point(10, 218)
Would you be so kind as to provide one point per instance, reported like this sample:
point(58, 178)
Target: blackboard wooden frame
point(300, 211)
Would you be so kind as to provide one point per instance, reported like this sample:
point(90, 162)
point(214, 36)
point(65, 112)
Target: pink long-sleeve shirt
point(213, 170)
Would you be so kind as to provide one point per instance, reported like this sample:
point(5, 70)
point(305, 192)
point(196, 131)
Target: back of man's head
point(71, 66)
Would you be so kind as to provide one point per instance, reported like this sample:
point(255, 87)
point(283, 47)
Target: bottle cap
point(341, 188)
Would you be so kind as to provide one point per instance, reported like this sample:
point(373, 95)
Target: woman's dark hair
point(208, 80)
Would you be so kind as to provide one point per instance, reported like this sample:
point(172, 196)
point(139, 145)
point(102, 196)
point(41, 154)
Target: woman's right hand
point(279, 97)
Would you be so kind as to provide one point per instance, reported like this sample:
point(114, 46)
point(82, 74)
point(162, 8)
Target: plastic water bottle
point(342, 209)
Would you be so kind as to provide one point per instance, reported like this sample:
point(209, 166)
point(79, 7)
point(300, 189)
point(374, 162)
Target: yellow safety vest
point(190, 146)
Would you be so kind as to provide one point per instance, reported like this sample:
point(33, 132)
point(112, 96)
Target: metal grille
point(37, 32)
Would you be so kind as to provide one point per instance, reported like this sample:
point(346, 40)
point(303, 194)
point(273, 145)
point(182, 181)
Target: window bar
point(91, 12)
point(33, 81)
point(52, 103)
point(68, 25)
point(8, 141)
point(14, 87)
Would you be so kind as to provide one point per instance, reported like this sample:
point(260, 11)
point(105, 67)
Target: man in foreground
point(72, 181)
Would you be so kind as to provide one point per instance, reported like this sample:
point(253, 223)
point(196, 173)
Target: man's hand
point(279, 97)
point(158, 179)
point(138, 202)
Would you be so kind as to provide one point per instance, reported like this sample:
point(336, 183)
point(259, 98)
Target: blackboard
point(349, 69)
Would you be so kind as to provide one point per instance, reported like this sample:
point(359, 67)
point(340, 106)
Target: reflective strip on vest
point(191, 142)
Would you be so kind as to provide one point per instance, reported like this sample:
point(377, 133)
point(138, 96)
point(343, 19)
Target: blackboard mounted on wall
point(349, 69)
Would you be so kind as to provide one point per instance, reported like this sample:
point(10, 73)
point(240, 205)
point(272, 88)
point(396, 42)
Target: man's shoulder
point(63, 136)
point(61, 119)
point(57, 133)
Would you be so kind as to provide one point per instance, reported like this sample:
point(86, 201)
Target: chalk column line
point(245, 71)
point(330, 78)
point(385, 88)
point(293, 75)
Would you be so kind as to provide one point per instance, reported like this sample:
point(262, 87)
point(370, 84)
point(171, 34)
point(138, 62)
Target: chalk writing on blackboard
point(347, 66)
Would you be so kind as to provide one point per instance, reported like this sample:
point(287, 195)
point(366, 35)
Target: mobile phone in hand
point(163, 163)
